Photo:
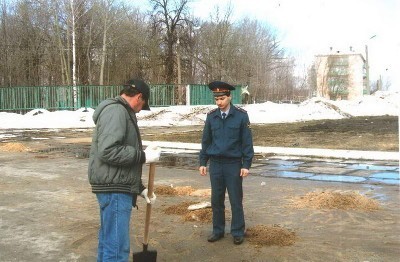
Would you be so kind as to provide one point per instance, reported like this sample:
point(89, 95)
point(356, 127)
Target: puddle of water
point(334, 178)
point(386, 181)
point(372, 167)
point(291, 174)
point(386, 175)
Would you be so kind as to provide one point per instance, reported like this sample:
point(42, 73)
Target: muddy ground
point(375, 133)
point(378, 133)
point(47, 212)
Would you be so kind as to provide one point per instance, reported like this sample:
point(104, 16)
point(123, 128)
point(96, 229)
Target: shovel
point(147, 255)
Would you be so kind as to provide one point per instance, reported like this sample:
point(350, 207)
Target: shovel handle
point(150, 187)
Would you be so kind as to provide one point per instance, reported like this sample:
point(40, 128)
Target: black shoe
point(238, 240)
point(215, 237)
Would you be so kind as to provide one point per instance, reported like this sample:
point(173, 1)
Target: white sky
point(309, 27)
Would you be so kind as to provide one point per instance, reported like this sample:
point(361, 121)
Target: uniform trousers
point(225, 175)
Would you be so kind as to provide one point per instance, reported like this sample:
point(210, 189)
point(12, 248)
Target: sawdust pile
point(200, 215)
point(174, 191)
point(275, 235)
point(335, 200)
point(180, 209)
point(13, 147)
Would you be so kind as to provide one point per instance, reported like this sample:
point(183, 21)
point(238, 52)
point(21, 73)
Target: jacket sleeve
point(247, 142)
point(112, 128)
point(141, 187)
point(205, 142)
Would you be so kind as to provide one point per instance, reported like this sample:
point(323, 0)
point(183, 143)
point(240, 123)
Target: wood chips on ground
point(180, 209)
point(200, 215)
point(335, 200)
point(13, 147)
point(174, 191)
point(262, 235)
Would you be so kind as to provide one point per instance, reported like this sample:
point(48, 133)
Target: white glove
point(153, 153)
point(151, 200)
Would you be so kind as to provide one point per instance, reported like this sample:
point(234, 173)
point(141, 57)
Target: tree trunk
point(104, 50)
point(75, 95)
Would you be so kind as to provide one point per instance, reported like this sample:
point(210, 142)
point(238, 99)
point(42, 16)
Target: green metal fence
point(54, 97)
point(23, 99)
point(201, 95)
point(162, 95)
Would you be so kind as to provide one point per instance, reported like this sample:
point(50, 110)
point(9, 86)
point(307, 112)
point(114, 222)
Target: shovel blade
point(145, 256)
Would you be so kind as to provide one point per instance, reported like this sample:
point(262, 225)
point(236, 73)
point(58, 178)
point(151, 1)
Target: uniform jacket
point(116, 155)
point(230, 138)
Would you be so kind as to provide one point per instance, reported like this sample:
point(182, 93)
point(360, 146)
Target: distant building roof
point(341, 53)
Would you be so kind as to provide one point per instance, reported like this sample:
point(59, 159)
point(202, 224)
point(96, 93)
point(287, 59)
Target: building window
point(338, 77)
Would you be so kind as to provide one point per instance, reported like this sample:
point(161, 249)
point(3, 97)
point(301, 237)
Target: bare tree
point(29, 41)
point(216, 45)
point(106, 25)
point(61, 33)
point(108, 42)
point(312, 80)
point(169, 17)
point(5, 48)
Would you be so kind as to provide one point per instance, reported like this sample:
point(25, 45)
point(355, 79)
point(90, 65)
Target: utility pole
point(178, 62)
point(75, 95)
point(368, 86)
point(178, 58)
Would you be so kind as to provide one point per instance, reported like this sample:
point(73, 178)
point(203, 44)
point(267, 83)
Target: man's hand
point(151, 200)
point(244, 172)
point(203, 170)
point(153, 153)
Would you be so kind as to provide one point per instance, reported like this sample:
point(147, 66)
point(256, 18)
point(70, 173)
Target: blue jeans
point(115, 214)
point(226, 177)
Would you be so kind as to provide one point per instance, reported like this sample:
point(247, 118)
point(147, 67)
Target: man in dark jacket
point(115, 167)
point(227, 142)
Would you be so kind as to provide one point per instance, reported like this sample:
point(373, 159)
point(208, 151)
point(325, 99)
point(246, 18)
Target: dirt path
point(49, 214)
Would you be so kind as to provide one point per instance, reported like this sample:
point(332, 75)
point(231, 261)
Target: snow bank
point(380, 103)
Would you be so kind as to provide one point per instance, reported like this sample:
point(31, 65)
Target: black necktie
point(223, 115)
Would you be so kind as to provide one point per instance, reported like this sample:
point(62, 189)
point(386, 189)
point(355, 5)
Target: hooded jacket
point(116, 154)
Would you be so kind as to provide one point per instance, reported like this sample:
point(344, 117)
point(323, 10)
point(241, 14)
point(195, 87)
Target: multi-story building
point(340, 75)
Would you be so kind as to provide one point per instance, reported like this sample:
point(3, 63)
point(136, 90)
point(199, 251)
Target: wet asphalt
point(314, 168)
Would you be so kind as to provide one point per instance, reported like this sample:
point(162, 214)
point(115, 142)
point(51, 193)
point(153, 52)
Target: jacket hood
point(106, 103)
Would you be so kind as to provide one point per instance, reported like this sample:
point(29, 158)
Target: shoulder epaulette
point(240, 109)
point(212, 111)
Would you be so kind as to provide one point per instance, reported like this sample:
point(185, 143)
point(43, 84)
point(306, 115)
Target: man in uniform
point(227, 142)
